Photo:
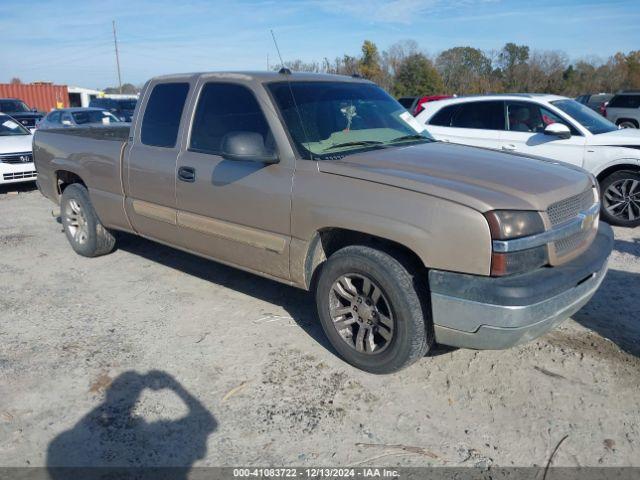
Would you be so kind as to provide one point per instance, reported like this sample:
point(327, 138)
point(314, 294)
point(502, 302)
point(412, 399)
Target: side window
point(443, 117)
point(54, 117)
point(66, 119)
point(162, 114)
point(530, 117)
point(480, 115)
point(224, 108)
point(625, 101)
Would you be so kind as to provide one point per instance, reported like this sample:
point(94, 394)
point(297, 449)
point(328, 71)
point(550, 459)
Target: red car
point(427, 98)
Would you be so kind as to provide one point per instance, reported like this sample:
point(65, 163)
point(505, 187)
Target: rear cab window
point(162, 114)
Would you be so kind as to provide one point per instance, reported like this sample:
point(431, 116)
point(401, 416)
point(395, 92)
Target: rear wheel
point(627, 124)
point(87, 236)
point(371, 310)
point(621, 198)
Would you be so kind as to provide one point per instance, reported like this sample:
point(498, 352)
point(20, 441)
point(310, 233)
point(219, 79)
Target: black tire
point(610, 192)
point(412, 335)
point(627, 123)
point(87, 236)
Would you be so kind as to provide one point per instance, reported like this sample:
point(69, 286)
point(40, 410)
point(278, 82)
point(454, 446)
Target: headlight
point(511, 224)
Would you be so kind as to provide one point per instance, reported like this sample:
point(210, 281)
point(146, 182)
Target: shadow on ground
point(613, 311)
point(10, 188)
point(631, 247)
point(111, 435)
point(299, 304)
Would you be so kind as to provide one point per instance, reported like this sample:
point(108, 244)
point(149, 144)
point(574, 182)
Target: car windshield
point(13, 106)
point(9, 127)
point(329, 119)
point(589, 119)
point(94, 116)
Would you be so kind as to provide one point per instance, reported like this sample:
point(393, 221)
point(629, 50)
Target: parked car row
point(18, 121)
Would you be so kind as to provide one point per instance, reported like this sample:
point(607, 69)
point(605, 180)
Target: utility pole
point(115, 42)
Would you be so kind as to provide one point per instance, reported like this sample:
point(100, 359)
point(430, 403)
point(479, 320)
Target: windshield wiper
point(353, 144)
point(415, 136)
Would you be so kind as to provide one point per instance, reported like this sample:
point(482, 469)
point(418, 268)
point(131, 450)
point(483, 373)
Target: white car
point(16, 157)
point(553, 127)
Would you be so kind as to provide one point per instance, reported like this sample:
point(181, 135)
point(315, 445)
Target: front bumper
point(17, 172)
point(499, 312)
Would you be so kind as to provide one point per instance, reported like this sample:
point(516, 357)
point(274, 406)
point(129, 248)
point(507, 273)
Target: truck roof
point(263, 76)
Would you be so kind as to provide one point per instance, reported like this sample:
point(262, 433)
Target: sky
point(71, 42)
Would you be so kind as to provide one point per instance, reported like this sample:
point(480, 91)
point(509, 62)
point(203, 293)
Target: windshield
point(13, 106)
point(336, 118)
point(589, 119)
point(94, 116)
point(9, 127)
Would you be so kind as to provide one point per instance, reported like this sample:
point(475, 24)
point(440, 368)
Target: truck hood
point(15, 144)
point(625, 137)
point(480, 178)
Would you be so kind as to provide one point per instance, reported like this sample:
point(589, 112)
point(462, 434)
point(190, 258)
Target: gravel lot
point(150, 356)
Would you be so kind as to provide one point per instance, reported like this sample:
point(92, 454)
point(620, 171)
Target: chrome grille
point(567, 245)
point(21, 157)
point(19, 175)
point(569, 208)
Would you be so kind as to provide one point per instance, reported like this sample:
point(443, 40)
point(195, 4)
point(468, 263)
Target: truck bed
point(66, 152)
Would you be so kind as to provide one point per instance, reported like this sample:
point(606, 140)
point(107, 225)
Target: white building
point(80, 97)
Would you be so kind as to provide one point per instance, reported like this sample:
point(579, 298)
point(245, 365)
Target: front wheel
point(371, 309)
point(87, 236)
point(621, 198)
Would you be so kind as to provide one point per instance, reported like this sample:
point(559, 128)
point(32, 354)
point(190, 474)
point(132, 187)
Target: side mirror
point(558, 130)
point(247, 146)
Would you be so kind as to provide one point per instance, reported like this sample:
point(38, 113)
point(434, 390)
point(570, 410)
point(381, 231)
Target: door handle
point(509, 148)
point(187, 174)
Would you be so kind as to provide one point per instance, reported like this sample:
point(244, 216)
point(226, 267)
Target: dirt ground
point(150, 356)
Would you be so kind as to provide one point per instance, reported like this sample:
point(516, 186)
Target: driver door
point(526, 122)
point(235, 211)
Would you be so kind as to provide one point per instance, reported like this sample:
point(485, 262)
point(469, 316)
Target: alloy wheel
point(76, 222)
point(361, 313)
point(622, 199)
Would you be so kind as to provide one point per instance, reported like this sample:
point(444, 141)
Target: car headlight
point(509, 225)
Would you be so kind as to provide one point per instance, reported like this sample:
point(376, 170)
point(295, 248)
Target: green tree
point(417, 76)
point(512, 61)
point(370, 62)
point(464, 70)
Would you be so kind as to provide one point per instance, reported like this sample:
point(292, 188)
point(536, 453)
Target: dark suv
point(29, 117)
point(121, 107)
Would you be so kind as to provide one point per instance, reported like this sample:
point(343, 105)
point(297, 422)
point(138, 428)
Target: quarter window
point(162, 114)
point(443, 117)
point(488, 115)
point(224, 108)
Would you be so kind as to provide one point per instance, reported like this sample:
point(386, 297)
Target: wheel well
point(65, 178)
point(616, 168)
point(327, 241)
point(632, 120)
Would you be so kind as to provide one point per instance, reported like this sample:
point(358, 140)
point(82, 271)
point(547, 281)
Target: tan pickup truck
point(326, 183)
